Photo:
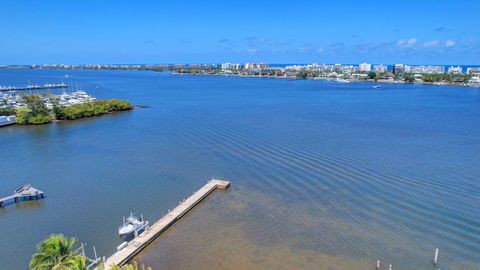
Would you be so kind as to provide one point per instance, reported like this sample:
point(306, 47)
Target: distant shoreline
point(327, 79)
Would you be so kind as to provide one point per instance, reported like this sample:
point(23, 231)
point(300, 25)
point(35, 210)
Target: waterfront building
point(398, 69)
point(365, 67)
point(473, 71)
point(230, 66)
point(474, 80)
point(255, 66)
point(455, 70)
point(294, 67)
point(424, 69)
point(380, 68)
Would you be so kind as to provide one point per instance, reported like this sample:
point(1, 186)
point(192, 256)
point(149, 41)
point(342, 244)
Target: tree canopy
point(57, 252)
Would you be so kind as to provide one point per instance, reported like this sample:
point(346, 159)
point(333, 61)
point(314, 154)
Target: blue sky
point(413, 32)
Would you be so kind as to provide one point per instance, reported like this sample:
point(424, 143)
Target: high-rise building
point(255, 66)
point(364, 67)
point(380, 68)
point(455, 70)
point(473, 71)
point(425, 69)
point(398, 69)
point(230, 66)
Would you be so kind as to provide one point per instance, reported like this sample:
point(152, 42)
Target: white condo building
point(365, 67)
point(380, 68)
point(473, 71)
point(424, 69)
point(455, 70)
point(230, 66)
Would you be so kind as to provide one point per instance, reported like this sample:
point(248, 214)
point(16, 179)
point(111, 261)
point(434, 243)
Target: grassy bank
point(6, 112)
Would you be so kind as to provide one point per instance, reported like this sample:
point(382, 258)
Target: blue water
point(324, 175)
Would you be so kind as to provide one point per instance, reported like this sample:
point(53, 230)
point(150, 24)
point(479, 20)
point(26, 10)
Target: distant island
point(38, 109)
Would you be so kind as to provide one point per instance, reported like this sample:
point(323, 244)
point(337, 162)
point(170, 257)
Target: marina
point(126, 251)
point(25, 192)
point(13, 99)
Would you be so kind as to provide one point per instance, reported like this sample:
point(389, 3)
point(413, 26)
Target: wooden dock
point(137, 244)
point(33, 87)
point(25, 192)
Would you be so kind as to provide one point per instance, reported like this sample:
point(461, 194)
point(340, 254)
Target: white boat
point(377, 86)
point(341, 80)
point(132, 224)
point(7, 120)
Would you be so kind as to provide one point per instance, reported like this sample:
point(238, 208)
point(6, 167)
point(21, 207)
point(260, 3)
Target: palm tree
point(80, 263)
point(57, 252)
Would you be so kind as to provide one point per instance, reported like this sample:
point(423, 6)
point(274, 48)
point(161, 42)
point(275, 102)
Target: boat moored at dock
point(128, 250)
point(132, 224)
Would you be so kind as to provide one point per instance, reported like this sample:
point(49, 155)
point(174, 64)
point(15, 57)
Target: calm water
point(324, 175)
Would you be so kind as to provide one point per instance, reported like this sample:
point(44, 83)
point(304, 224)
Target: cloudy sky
point(412, 32)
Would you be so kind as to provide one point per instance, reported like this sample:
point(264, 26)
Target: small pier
point(137, 244)
point(25, 192)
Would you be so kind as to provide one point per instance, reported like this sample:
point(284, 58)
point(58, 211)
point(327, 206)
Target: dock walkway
point(25, 192)
point(33, 87)
point(136, 245)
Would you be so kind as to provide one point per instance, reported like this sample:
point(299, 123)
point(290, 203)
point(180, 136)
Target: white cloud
point(450, 43)
point(407, 43)
point(431, 44)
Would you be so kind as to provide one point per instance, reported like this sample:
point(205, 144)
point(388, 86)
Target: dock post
point(435, 259)
point(389, 267)
point(378, 264)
